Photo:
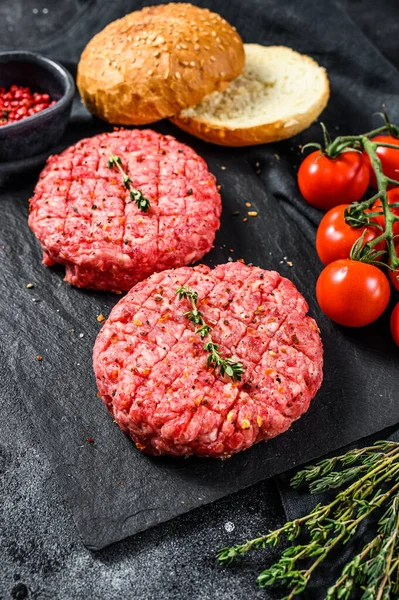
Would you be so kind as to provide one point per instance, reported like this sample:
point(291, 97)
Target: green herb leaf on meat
point(226, 366)
point(136, 196)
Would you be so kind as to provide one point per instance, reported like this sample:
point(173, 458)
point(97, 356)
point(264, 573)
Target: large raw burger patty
point(151, 370)
point(83, 216)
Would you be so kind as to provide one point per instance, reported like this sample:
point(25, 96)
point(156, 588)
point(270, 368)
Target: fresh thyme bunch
point(226, 366)
point(371, 479)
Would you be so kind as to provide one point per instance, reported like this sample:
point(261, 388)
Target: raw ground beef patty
point(83, 216)
point(151, 370)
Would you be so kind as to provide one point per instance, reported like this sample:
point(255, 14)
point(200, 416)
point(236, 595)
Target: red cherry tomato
point(389, 158)
point(395, 324)
point(393, 197)
point(335, 237)
point(352, 293)
point(327, 182)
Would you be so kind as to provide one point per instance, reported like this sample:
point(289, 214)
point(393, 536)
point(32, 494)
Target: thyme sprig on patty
point(226, 366)
point(136, 196)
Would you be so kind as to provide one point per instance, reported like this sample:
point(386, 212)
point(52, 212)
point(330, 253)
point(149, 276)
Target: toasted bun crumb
point(279, 94)
point(155, 62)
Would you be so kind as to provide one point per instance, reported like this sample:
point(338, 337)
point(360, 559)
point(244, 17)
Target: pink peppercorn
point(19, 102)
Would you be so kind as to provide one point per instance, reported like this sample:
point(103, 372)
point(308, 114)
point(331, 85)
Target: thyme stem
point(226, 366)
point(136, 196)
point(375, 569)
point(353, 526)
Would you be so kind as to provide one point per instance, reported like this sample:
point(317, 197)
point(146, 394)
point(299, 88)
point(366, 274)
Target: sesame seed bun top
point(155, 62)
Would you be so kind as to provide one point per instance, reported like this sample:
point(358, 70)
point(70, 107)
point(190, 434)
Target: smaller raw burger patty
point(151, 370)
point(83, 216)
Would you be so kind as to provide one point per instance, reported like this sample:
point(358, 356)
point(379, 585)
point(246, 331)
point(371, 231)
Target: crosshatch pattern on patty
point(84, 218)
point(151, 366)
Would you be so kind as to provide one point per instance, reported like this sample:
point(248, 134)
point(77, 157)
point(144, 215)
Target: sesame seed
point(29, 286)
point(252, 213)
point(248, 204)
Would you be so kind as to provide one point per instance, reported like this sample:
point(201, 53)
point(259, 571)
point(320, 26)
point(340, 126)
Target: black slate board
point(113, 490)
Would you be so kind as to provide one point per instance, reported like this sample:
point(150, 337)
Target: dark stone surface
point(41, 553)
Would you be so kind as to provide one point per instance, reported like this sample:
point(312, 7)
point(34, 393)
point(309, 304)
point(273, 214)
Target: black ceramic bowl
point(39, 132)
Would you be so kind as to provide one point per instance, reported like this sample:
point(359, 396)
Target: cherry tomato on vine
point(352, 293)
point(327, 182)
point(393, 197)
point(335, 238)
point(389, 158)
point(395, 324)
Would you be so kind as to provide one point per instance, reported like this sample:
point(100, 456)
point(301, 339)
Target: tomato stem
point(367, 203)
point(355, 214)
point(384, 145)
point(351, 139)
point(363, 142)
point(382, 182)
point(341, 141)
